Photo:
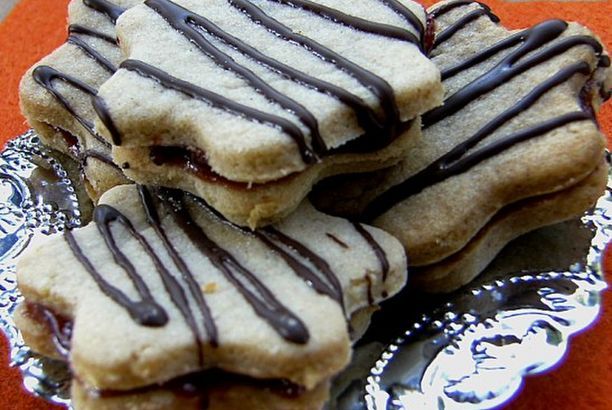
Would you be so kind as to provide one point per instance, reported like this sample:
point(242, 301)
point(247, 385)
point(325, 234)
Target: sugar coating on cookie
point(157, 289)
point(259, 90)
point(517, 123)
point(56, 93)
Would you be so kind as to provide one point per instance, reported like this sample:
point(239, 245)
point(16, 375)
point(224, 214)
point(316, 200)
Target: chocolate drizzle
point(356, 23)
point(378, 250)
point(322, 279)
point(194, 288)
point(371, 81)
point(463, 21)
point(330, 285)
point(451, 5)
point(145, 312)
point(194, 27)
point(193, 91)
point(516, 62)
point(45, 77)
point(186, 22)
point(337, 240)
point(89, 50)
point(405, 12)
point(100, 156)
point(80, 29)
point(153, 219)
point(110, 10)
point(263, 301)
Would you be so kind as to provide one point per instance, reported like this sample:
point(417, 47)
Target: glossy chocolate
point(532, 47)
point(145, 312)
point(193, 26)
point(378, 250)
point(46, 76)
point(263, 301)
point(110, 10)
point(74, 39)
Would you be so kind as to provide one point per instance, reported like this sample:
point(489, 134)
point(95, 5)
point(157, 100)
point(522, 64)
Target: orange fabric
point(35, 27)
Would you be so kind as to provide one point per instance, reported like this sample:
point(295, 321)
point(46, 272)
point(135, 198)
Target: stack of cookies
point(206, 278)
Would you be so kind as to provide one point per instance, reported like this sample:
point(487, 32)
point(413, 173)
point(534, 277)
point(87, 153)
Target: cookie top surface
point(264, 88)
point(517, 122)
point(162, 288)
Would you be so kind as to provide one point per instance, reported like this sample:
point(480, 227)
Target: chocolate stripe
point(145, 312)
point(45, 76)
point(93, 53)
point(186, 22)
point(110, 10)
point(272, 237)
point(194, 26)
point(100, 156)
point(371, 81)
point(457, 162)
point(378, 250)
point(451, 30)
point(366, 116)
point(202, 94)
point(317, 261)
point(104, 215)
point(518, 61)
point(86, 31)
point(302, 270)
point(506, 69)
point(405, 12)
point(451, 5)
point(194, 288)
point(263, 301)
point(211, 329)
point(353, 22)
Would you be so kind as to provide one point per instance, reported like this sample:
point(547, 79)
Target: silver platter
point(467, 350)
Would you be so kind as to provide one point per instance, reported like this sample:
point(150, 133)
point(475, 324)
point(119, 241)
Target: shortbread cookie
point(231, 396)
point(517, 123)
point(56, 92)
point(158, 289)
point(507, 224)
point(247, 103)
point(216, 389)
point(50, 334)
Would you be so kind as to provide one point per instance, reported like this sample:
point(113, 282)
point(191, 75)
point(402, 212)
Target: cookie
point(507, 224)
point(247, 104)
point(210, 389)
point(55, 94)
point(517, 123)
point(158, 288)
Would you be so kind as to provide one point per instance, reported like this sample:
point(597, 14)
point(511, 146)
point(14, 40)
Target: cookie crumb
point(209, 288)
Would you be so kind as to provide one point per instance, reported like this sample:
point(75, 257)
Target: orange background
point(583, 381)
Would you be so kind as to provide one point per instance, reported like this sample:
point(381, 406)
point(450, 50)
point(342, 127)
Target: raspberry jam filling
point(191, 385)
point(194, 161)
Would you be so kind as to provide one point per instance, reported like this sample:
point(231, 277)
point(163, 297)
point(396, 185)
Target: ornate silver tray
point(467, 350)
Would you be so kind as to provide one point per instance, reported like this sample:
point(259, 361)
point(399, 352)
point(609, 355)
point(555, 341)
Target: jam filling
point(194, 161)
point(191, 385)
